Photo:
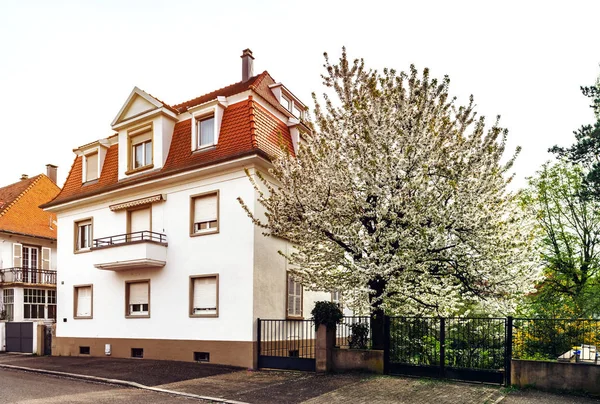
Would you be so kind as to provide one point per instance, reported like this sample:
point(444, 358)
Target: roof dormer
point(206, 123)
point(92, 155)
point(288, 100)
point(145, 130)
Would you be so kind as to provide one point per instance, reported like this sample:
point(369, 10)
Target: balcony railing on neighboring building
point(130, 238)
point(28, 276)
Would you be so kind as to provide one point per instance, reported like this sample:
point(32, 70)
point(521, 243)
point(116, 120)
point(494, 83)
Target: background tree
point(586, 150)
point(399, 195)
point(569, 239)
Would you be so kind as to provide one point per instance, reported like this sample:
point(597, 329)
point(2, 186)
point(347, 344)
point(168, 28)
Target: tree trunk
point(377, 315)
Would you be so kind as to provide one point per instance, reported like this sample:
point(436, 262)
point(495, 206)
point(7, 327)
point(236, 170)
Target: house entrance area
point(471, 349)
point(286, 344)
point(19, 337)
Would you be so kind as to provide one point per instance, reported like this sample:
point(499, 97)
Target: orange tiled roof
point(246, 128)
point(20, 212)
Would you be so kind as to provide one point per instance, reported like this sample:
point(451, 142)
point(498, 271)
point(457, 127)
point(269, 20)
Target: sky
point(67, 67)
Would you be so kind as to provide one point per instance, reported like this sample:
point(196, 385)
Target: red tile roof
point(20, 212)
point(246, 128)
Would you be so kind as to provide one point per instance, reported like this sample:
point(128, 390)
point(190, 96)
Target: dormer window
point(141, 149)
point(286, 102)
point(297, 112)
point(205, 128)
point(91, 166)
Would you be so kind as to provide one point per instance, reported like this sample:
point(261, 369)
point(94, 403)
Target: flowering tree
point(399, 198)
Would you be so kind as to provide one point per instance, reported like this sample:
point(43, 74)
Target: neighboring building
point(158, 259)
point(28, 250)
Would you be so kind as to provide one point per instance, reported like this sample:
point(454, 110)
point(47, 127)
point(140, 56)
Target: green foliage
point(586, 149)
point(568, 220)
point(359, 336)
point(327, 313)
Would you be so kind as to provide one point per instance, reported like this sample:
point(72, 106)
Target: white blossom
point(400, 195)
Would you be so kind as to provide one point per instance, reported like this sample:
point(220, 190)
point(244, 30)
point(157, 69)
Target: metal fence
point(556, 339)
point(287, 338)
point(354, 332)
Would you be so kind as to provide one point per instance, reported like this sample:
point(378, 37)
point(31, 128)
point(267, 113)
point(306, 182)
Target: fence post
point(258, 338)
point(442, 346)
point(508, 351)
point(386, 345)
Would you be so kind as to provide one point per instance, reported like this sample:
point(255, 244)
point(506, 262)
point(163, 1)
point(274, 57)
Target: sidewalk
point(275, 387)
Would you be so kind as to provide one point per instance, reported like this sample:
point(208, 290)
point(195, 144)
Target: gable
point(137, 106)
point(138, 103)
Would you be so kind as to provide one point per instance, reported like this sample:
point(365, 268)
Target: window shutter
point(205, 295)
point(46, 257)
point(142, 137)
point(205, 208)
point(138, 293)
point(91, 167)
point(84, 301)
point(17, 255)
point(139, 220)
point(298, 298)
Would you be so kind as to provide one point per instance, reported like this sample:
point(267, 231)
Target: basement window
point(202, 356)
point(294, 353)
point(84, 350)
point(137, 352)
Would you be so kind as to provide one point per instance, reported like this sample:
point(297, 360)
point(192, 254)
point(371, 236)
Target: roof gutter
point(162, 174)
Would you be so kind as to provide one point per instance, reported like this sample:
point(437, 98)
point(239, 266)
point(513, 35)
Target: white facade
point(15, 279)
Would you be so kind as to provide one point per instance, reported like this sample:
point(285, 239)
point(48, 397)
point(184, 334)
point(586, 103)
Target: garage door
point(19, 337)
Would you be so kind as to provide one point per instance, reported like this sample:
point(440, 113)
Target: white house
point(158, 259)
point(27, 259)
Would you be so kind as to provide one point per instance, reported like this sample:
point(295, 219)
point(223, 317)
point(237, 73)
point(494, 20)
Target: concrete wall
point(556, 375)
point(363, 360)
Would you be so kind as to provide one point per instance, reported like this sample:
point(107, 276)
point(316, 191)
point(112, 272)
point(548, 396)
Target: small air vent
point(84, 350)
point(202, 356)
point(294, 353)
point(137, 352)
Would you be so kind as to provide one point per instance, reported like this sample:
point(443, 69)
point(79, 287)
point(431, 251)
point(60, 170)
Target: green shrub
point(327, 313)
point(359, 336)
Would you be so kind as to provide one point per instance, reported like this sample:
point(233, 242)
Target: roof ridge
point(254, 79)
point(10, 205)
point(260, 78)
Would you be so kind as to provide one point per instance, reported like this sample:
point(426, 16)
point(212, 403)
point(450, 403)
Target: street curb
point(120, 383)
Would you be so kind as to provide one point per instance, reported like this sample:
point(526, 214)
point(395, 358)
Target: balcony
point(139, 250)
point(27, 276)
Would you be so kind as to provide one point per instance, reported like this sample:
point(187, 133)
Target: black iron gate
point(473, 349)
point(286, 344)
point(19, 337)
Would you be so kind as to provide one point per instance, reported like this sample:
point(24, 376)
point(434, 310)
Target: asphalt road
point(32, 388)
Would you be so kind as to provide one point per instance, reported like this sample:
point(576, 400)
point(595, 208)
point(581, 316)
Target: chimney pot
point(51, 172)
point(24, 177)
point(247, 65)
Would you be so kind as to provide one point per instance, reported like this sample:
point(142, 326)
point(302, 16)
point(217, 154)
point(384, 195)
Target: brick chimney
point(247, 65)
point(51, 172)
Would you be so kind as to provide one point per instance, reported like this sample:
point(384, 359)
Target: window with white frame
point(51, 304)
point(294, 297)
point(138, 298)
point(91, 166)
point(83, 234)
point(34, 304)
point(8, 304)
point(141, 148)
point(205, 131)
point(205, 213)
point(83, 301)
point(204, 295)
point(285, 102)
point(336, 297)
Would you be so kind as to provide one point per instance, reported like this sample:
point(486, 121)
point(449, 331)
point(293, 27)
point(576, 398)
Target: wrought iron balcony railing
point(28, 275)
point(130, 238)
